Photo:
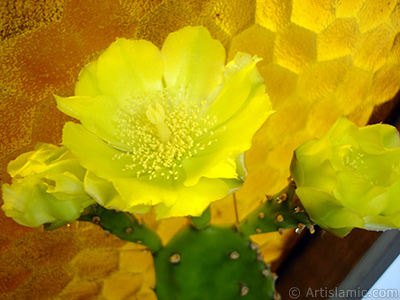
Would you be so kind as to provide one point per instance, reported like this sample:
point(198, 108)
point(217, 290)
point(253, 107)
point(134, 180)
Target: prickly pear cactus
point(279, 212)
point(123, 225)
point(211, 263)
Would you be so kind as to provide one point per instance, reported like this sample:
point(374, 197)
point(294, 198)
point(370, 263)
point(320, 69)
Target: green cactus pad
point(123, 225)
point(211, 263)
point(276, 214)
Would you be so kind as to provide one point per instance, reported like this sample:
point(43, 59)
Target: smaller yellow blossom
point(167, 127)
point(350, 177)
point(47, 187)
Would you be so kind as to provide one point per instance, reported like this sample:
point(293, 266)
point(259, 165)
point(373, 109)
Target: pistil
point(157, 117)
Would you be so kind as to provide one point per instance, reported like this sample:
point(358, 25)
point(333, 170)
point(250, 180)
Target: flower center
point(157, 117)
point(161, 132)
point(354, 160)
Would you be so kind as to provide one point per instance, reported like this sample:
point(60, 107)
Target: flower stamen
point(161, 131)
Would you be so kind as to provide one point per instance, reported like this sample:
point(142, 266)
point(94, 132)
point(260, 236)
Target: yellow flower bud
point(47, 187)
point(350, 177)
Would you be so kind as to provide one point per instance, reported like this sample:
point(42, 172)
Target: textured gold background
point(321, 59)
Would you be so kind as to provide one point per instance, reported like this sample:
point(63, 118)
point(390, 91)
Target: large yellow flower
point(167, 127)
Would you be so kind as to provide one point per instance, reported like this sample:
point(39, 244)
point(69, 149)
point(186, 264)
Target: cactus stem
point(124, 225)
point(203, 220)
point(283, 213)
point(234, 270)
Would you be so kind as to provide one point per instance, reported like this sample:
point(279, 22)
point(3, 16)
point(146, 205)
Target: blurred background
point(320, 60)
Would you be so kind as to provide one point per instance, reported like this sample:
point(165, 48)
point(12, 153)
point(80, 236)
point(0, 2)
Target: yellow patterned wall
point(321, 59)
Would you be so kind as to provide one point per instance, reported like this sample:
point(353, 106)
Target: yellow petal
point(224, 166)
point(172, 199)
point(327, 211)
point(65, 183)
point(136, 191)
point(230, 141)
point(376, 222)
point(125, 69)
point(241, 82)
point(95, 154)
point(98, 114)
point(195, 199)
point(104, 193)
point(88, 84)
point(193, 61)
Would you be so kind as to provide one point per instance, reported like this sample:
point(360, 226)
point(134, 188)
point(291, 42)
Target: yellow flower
point(47, 187)
point(350, 177)
point(165, 128)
